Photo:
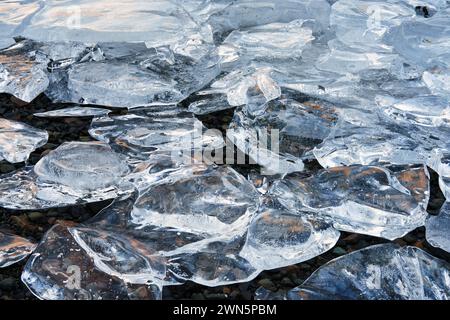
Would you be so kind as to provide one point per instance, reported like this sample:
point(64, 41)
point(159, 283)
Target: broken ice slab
point(424, 41)
point(61, 269)
point(214, 263)
point(371, 200)
point(438, 228)
point(379, 272)
point(248, 85)
point(23, 190)
point(382, 141)
point(209, 104)
point(211, 200)
point(74, 112)
point(426, 110)
point(286, 238)
point(160, 22)
point(187, 254)
point(198, 225)
point(18, 140)
point(146, 238)
point(22, 71)
point(345, 59)
point(82, 165)
point(242, 14)
point(155, 76)
point(162, 129)
point(271, 41)
point(74, 173)
point(366, 22)
point(281, 132)
point(13, 249)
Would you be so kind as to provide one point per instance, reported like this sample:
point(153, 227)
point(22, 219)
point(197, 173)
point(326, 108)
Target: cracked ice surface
point(154, 237)
point(380, 272)
point(361, 86)
point(13, 249)
point(363, 199)
point(18, 140)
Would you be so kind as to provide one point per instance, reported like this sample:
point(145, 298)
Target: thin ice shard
point(74, 112)
point(18, 140)
point(162, 129)
point(438, 228)
point(247, 85)
point(60, 269)
point(380, 272)
point(214, 201)
point(362, 199)
point(300, 127)
point(424, 110)
point(13, 249)
point(22, 71)
point(274, 40)
point(158, 23)
point(209, 103)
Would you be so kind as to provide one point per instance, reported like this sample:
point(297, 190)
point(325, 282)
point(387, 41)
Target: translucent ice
point(234, 15)
point(438, 228)
point(22, 71)
point(82, 165)
point(249, 85)
point(275, 40)
point(74, 112)
point(13, 249)
point(428, 110)
point(74, 173)
point(13, 14)
point(216, 201)
point(363, 22)
point(209, 104)
point(380, 272)
point(160, 22)
point(155, 129)
point(18, 140)
point(399, 142)
point(286, 238)
point(195, 222)
point(362, 199)
point(24, 190)
point(156, 75)
point(61, 269)
point(301, 126)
